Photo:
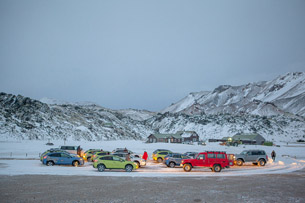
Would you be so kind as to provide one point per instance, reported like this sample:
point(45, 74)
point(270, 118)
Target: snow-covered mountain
point(285, 94)
point(274, 109)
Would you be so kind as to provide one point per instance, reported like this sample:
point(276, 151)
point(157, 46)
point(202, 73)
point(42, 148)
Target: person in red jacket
point(145, 156)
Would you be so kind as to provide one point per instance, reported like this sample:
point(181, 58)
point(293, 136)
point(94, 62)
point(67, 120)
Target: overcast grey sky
point(145, 54)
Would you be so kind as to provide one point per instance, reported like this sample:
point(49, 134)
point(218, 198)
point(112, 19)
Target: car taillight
point(94, 155)
point(95, 160)
point(45, 157)
point(267, 157)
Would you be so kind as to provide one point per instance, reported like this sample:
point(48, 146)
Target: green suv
point(89, 153)
point(113, 162)
point(159, 155)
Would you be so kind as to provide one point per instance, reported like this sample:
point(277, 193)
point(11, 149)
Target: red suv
point(213, 160)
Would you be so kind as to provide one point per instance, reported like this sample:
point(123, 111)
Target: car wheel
point(187, 167)
point(89, 159)
point(128, 168)
point(139, 165)
point(216, 168)
point(101, 167)
point(160, 160)
point(239, 162)
point(172, 164)
point(75, 163)
point(262, 162)
point(50, 163)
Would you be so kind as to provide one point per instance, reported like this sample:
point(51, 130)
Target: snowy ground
point(23, 159)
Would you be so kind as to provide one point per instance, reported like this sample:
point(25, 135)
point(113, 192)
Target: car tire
point(217, 168)
point(128, 168)
point(50, 163)
point(239, 162)
point(172, 164)
point(139, 165)
point(89, 159)
point(159, 160)
point(101, 167)
point(75, 163)
point(261, 162)
point(187, 167)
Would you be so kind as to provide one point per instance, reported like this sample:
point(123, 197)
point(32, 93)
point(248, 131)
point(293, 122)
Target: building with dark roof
point(179, 137)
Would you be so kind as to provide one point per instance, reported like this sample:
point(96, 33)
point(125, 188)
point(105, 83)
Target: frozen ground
point(23, 159)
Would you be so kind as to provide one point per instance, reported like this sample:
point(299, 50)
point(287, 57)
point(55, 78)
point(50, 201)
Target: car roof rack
point(215, 151)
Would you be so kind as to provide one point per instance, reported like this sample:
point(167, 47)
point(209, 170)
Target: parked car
point(95, 155)
point(216, 161)
point(158, 150)
point(62, 158)
point(255, 156)
point(89, 153)
point(191, 154)
point(174, 159)
point(122, 150)
point(72, 149)
point(113, 162)
point(52, 150)
point(139, 161)
point(159, 156)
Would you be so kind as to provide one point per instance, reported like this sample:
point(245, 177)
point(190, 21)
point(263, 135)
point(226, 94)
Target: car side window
point(220, 156)
point(249, 153)
point(163, 153)
point(201, 157)
point(177, 156)
point(106, 158)
point(211, 155)
point(116, 159)
point(261, 153)
point(55, 155)
point(64, 155)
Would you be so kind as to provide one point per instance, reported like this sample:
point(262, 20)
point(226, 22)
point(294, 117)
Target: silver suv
point(255, 156)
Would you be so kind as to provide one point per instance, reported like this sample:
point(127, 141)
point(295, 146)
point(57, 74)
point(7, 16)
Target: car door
point(251, 156)
point(65, 159)
point(221, 158)
point(107, 161)
point(55, 157)
point(118, 162)
point(211, 159)
point(201, 160)
point(175, 158)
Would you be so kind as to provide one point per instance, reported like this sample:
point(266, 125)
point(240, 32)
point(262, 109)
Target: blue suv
point(61, 158)
point(174, 159)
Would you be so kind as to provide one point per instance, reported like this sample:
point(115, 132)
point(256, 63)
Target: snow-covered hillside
point(268, 108)
point(285, 94)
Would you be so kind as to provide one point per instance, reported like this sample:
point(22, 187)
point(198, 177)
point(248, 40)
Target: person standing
point(128, 157)
point(273, 155)
point(78, 151)
point(145, 156)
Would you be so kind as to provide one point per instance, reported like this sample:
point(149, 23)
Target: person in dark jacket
point(273, 155)
point(78, 151)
